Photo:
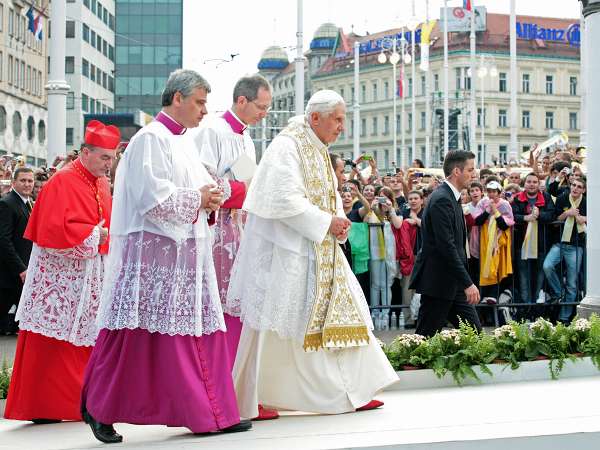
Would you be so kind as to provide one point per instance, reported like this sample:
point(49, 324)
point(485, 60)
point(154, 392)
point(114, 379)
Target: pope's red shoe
point(373, 404)
point(266, 414)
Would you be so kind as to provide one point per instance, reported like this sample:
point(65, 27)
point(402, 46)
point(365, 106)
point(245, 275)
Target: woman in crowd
point(409, 245)
point(494, 216)
point(470, 211)
point(383, 266)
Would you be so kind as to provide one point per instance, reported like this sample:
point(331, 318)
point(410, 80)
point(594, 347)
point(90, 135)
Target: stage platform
point(547, 415)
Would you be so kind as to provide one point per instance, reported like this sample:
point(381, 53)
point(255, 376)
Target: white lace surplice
point(62, 291)
point(160, 273)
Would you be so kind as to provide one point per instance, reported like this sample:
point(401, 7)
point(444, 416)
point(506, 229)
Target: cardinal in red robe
point(57, 312)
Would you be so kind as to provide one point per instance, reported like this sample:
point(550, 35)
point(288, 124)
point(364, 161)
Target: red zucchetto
point(103, 136)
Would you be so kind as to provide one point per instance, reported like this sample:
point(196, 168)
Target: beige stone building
point(548, 88)
point(23, 75)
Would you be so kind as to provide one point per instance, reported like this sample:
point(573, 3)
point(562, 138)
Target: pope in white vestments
point(307, 341)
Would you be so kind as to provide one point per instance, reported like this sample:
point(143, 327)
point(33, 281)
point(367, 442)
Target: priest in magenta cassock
point(159, 354)
point(57, 311)
point(307, 341)
point(222, 142)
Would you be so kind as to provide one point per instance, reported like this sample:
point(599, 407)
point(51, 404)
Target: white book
point(243, 168)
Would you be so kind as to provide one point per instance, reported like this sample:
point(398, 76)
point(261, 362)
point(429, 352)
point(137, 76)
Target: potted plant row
point(458, 351)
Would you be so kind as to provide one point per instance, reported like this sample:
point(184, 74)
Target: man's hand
point(472, 294)
point(339, 226)
point(572, 212)
point(212, 197)
point(23, 275)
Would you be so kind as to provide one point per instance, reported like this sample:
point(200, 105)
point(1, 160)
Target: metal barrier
point(550, 233)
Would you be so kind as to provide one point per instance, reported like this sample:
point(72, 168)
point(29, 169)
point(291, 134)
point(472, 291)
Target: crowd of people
point(526, 234)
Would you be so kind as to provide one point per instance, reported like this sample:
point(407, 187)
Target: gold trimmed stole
point(335, 320)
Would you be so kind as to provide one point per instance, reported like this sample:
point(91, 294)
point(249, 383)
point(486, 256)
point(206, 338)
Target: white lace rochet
point(62, 291)
point(160, 284)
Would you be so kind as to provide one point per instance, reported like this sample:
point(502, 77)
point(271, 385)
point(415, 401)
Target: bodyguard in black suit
point(440, 273)
point(15, 208)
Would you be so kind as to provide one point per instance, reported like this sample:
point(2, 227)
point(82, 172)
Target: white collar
point(25, 199)
point(455, 191)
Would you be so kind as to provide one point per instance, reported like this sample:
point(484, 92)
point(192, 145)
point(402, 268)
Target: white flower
point(541, 324)
point(505, 330)
point(452, 334)
point(582, 324)
point(409, 340)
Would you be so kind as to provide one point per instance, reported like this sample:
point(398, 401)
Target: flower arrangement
point(458, 351)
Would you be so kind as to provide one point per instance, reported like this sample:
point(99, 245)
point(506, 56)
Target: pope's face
point(328, 127)
point(192, 108)
point(98, 161)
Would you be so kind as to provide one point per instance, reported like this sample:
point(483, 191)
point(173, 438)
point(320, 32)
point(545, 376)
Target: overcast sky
point(216, 29)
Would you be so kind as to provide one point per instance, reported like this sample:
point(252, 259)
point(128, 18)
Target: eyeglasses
point(262, 108)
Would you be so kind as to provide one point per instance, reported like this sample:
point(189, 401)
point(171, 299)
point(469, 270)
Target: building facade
point(89, 63)
point(548, 90)
point(148, 48)
point(23, 75)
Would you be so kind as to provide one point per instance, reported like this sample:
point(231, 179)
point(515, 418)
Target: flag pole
point(473, 130)
point(446, 84)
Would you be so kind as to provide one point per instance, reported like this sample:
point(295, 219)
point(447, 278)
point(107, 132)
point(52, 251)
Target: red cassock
point(48, 373)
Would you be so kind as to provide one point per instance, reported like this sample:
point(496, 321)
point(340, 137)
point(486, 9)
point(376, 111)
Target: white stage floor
point(545, 415)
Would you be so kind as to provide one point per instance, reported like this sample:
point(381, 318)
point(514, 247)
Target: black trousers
point(435, 313)
point(8, 298)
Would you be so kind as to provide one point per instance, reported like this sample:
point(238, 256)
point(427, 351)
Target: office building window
point(410, 121)
point(423, 120)
point(374, 130)
point(85, 103)
point(572, 121)
point(502, 153)
point(526, 119)
point(363, 127)
point(374, 92)
point(386, 125)
point(573, 85)
point(69, 64)
point(363, 93)
point(549, 120)
point(423, 85)
point(70, 29)
point(502, 118)
point(410, 87)
point(386, 90)
point(525, 83)
point(436, 82)
point(502, 82)
point(70, 100)
point(458, 73)
point(479, 118)
point(549, 84)
point(69, 136)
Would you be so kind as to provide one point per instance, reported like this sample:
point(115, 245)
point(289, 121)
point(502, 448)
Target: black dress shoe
point(45, 421)
point(103, 432)
point(244, 425)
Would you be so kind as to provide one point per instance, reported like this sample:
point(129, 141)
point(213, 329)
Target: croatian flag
point(467, 5)
point(34, 24)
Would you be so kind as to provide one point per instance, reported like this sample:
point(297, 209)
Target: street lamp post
point(356, 103)
point(413, 23)
point(394, 59)
point(485, 68)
